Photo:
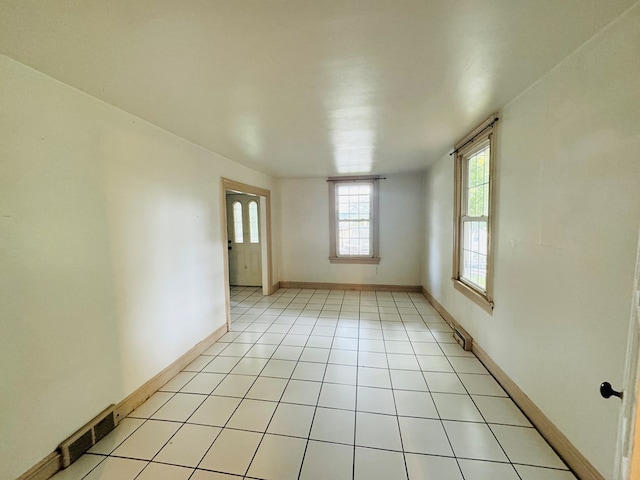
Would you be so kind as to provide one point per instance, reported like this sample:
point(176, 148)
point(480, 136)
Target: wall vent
point(462, 337)
point(85, 438)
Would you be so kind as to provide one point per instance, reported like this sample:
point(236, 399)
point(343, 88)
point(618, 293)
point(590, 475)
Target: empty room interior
point(298, 239)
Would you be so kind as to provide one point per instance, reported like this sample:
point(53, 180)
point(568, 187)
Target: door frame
point(628, 445)
point(265, 222)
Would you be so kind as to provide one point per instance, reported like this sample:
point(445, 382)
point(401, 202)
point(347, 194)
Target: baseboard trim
point(274, 288)
point(558, 441)
point(363, 287)
point(50, 465)
point(138, 397)
point(44, 469)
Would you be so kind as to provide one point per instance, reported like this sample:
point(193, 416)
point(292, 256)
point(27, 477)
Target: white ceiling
point(298, 88)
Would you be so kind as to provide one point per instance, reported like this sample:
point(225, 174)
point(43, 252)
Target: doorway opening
point(246, 233)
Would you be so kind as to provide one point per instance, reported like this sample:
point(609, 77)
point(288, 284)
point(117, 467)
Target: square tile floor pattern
point(327, 384)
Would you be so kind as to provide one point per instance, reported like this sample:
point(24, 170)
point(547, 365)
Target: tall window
point(254, 236)
point(354, 220)
point(474, 173)
point(238, 233)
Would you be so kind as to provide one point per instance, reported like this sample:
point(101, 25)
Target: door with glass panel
point(243, 233)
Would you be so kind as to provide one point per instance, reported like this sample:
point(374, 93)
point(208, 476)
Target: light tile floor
point(318, 384)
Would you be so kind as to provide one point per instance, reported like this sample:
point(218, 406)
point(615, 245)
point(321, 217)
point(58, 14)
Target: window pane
point(477, 183)
point(254, 236)
point(474, 252)
point(354, 238)
point(237, 222)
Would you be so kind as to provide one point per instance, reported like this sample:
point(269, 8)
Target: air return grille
point(81, 441)
point(462, 337)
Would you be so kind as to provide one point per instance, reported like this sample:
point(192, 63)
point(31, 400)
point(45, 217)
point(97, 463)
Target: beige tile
point(467, 365)
point(152, 405)
point(317, 467)
point(372, 359)
point(302, 392)
point(309, 371)
point(402, 362)
point(177, 382)
point(345, 374)
point(478, 384)
point(338, 396)
point(292, 420)
point(252, 415)
point(474, 441)
point(415, 404)
point(526, 446)
point(444, 382)
point(117, 469)
point(432, 363)
point(266, 388)
point(428, 467)
point(198, 364)
point(536, 473)
point(232, 452)
point(278, 458)
point(408, 380)
point(481, 470)
point(234, 385)
point(373, 464)
point(375, 400)
point(374, 377)
point(500, 410)
point(456, 407)
point(215, 411)
point(203, 383)
point(155, 471)
point(424, 436)
point(279, 368)
point(180, 407)
point(377, 431)
point(332, 425)
point(147, 440)
point(343, 357)
point(249, 366)
point(204, 475)
point(188, 445)
point(221, 365)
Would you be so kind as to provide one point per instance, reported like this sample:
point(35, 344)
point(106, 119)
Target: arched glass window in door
point(237, 223)
point(254, 236)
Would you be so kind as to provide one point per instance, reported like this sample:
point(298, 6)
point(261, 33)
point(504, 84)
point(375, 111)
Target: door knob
point(606, 390)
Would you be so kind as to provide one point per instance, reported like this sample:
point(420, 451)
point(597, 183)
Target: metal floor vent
point(462, 337)
point(85, 438)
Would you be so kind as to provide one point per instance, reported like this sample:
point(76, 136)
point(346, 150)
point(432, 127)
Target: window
point(474, 171)
point(237, 223)
point(253, 222)
point(353, 219)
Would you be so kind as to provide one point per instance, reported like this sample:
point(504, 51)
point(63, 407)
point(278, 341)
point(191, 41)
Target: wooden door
point(244, 242)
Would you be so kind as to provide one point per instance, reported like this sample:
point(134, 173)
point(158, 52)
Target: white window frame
point(374, 256)
point(474, 142)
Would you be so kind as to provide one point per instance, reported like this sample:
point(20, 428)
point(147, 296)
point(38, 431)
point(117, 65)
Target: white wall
point(568, 211)
point(110, 257)
point(305, 233)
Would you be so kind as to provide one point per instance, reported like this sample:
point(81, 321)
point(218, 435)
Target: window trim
point(464, 148)
point(334, 257)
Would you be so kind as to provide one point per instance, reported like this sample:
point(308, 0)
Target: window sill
point(362, 260)
point(473, 295)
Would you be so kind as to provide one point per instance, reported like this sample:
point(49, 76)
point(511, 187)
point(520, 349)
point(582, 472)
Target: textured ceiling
point(298, 88)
